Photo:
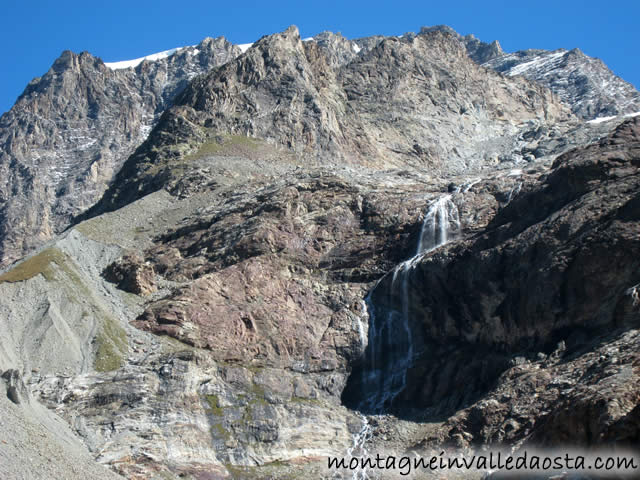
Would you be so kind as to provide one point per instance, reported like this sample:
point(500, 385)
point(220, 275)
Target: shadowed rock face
point(539, 302)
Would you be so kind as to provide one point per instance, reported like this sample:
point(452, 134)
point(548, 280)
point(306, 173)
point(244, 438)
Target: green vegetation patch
point(276, 469)
point(220, 431)
point(214, 405)
point(174, 345)
point(111, 346)
point(39, 264)
point(303, 400)
point(224, 145)
point(257, 395)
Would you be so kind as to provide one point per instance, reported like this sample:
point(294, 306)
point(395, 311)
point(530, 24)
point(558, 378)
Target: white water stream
point(359, 450)
point(361, 333)
point(391, 346)
point(390, 340)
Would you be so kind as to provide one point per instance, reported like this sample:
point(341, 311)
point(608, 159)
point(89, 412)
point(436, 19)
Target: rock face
point(582, 82)
point(132, 275)
point(71, 130)
point(306, 219)
point(386, 108)
point(540, 308)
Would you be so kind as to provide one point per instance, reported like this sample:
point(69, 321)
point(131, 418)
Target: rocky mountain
point(585, 84)
point(324, 247)
point(385, 108)
point(72, 129)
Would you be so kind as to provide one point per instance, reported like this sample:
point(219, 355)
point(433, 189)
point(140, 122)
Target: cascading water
point(441, 219)
point(514, 192)
point(358, 449)
point(391, 347)
point(389, 352)
point(360, 325)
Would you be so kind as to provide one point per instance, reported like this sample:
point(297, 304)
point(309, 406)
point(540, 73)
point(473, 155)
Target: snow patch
point(536, 63)
point(601, 119)
point(137, 61)
point(145, 130)
point(356, 48)
point(606, 119)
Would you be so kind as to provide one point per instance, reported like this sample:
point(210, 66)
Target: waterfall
point(361, 333)
point(358, 448)
point(389, 352)
point(441, 219)
point(391, 345)
point(514, 192)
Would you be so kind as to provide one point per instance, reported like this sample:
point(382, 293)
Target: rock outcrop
point(131, 274)
point(72, 129)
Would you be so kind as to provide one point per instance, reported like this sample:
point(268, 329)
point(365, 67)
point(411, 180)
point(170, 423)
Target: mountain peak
point(439, 28)
point(584, 83)
point(290, 36)
point(69, 60)
point(73, 128)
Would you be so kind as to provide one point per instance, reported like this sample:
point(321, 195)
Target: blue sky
point(34, 33)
